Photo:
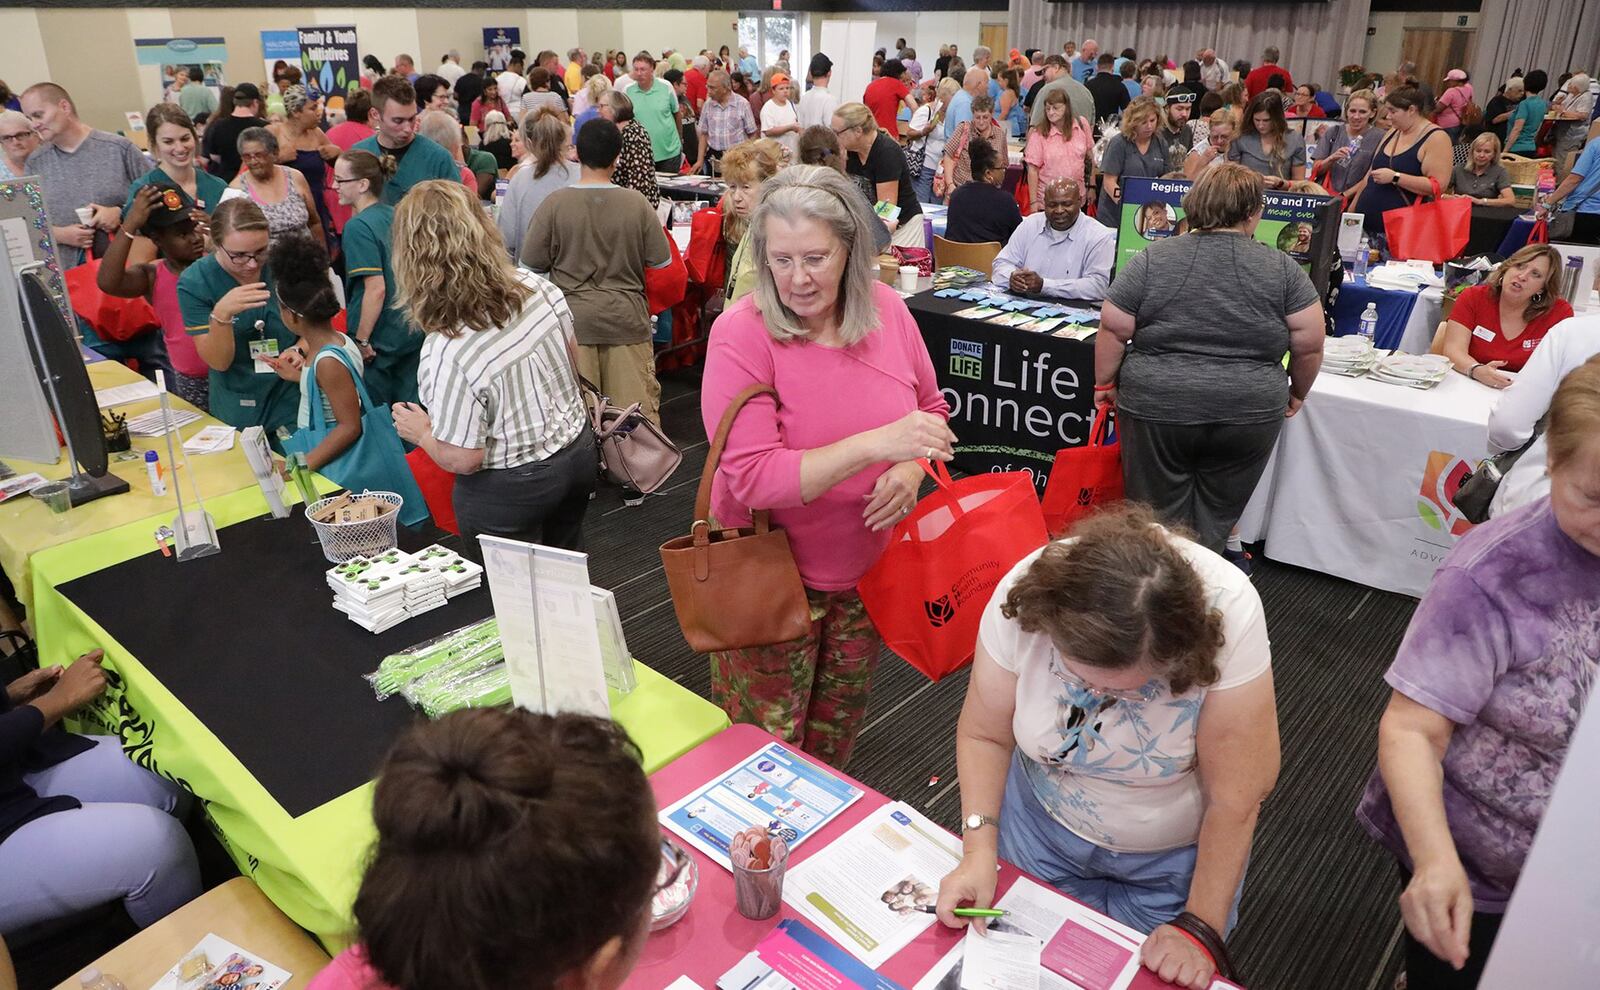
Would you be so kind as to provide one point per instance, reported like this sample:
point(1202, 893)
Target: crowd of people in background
point(465, 246)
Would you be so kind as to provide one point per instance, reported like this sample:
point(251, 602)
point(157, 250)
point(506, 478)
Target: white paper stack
point(152, 424)
point(1412, 370)
point(1350, 355)
point(380, 592)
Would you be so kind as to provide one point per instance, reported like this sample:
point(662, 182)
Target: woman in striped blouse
point(500, 402)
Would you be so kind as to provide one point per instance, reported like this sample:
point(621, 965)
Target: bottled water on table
point(1369, 323)
point(1363, 253)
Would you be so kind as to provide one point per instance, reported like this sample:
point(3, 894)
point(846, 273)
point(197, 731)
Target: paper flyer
point(230, 967)
point(793, 957)
point(864, 889)
point(772, 788)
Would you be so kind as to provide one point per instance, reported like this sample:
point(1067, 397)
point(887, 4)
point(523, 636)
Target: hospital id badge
point(260, 349)
point(1483, 333)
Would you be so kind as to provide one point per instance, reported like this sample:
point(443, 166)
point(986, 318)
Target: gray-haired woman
point(836, 475)
point(280, 191)
point(635, 168)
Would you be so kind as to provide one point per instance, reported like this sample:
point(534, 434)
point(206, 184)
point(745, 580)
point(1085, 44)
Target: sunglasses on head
point(1184, 97)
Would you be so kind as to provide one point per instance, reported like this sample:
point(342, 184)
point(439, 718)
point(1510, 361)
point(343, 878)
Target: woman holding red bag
point(836, 475)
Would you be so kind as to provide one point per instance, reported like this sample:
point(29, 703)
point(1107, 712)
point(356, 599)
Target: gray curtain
point(1554, 35)
point(1316, 38)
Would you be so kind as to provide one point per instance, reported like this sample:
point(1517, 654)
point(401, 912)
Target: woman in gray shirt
point(1267, 146)
point(1199, 390)
point(1343, 154)
point(1483, 179)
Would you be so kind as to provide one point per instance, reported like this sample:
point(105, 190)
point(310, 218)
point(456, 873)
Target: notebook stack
point(381, 592)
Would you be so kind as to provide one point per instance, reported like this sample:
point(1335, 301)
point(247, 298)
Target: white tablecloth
point(1358, 485)
point(1424, 320)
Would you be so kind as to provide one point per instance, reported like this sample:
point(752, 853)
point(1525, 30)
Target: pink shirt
point(1450, 103)
point(1058, 156)
point(348, 971)
point(180, 346)
point(827, 394)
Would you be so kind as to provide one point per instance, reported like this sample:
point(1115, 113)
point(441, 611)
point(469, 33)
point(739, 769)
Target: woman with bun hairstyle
point(308, 305)
point(388, 343)
point(513, 849)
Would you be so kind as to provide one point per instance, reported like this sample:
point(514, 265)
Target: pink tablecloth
point(713, 936)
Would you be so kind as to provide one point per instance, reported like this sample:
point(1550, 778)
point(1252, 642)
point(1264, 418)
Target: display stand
point(194, 531)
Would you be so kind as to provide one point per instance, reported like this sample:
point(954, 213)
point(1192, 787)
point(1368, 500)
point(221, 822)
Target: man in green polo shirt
point(655, 107)
point(393, 119)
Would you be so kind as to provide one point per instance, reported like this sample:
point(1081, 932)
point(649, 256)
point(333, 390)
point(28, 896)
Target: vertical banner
point(497, 45)
point(279, 46)
point(330, 63)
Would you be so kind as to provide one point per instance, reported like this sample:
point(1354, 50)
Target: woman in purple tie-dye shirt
point(1488, 688)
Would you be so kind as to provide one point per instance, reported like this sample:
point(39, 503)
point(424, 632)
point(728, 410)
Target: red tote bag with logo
point(927, 592)
point(1084, 478)
point(1435, 231)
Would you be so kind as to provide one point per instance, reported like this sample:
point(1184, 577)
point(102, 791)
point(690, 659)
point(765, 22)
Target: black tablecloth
point(249, 641)
point(1489, 226)
point(1016, 397)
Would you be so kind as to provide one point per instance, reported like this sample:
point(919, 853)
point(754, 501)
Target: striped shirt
point(512, 390)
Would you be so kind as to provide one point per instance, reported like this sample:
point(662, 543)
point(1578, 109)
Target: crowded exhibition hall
point(722, 430)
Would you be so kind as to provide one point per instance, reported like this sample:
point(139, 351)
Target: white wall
point(923, 31)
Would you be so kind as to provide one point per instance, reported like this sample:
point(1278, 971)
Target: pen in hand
point(965, 912)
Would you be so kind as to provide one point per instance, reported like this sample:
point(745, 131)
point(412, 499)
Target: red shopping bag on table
point(927, 592)
point(1083, 478)
point(1434, 231)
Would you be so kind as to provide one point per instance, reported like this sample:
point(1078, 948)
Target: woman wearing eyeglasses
point(232, 315)
point(1119, 735)
point(835, 475)
point(280, 191)
point(505, 814)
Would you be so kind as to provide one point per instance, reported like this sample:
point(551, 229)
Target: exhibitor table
point(234, 675)
point(1015, 397)
point(713, 936)
point(1407, 318)
point(1361, 481)
point(27, 527)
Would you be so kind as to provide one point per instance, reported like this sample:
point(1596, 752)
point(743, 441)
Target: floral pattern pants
point(810, 691)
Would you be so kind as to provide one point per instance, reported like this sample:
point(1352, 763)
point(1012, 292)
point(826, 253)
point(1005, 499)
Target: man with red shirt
point(885, 94)
point(694, 82)
point(1260, 77)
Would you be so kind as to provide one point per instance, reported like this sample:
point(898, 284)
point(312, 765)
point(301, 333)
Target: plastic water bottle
point(1363, 253)
point(93, 979)
point(1369, 322)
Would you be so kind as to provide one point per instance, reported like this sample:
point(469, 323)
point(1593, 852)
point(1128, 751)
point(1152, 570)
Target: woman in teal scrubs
point(176, 150)
point(390, 345)
point(232, 314)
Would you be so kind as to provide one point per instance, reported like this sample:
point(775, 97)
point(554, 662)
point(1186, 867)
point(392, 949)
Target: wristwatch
point(976, 821)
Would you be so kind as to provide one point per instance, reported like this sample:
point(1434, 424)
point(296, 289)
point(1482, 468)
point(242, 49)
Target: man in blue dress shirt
point(1058, 251)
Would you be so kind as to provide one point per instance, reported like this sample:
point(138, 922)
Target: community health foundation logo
point(976, 585)
point(1436, 504)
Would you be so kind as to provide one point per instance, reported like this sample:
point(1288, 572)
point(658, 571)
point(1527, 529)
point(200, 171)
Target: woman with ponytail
point(514, 849)
point(388, 342)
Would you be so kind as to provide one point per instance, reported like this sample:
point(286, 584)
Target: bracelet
point(1105, 388)
point(131, 234)
point(219, 321)
point(1208, 939)
point(1474, 371)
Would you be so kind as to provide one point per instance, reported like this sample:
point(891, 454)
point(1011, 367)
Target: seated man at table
point(80, 824)
point(981, 211)
point(505, 814)
point(1058, 251)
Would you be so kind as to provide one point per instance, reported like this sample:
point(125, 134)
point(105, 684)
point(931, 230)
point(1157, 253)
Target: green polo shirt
point(392, 375)
point(240, 396)
point(422, 160)
point(208, 189)
point(654, 109)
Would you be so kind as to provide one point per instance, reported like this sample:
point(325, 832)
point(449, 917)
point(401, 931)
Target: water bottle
point(1369, 323)
point(1571, 291)
point(93, 979)
point(1363, 253)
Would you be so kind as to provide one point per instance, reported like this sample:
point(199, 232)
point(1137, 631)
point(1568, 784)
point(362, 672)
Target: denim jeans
point(923, 183)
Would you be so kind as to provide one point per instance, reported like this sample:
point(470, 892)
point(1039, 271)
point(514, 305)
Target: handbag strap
point(316, 420)
point(702, 496)
point(1102, 428)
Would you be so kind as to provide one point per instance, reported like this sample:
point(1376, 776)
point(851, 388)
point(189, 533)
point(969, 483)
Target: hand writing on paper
point(969, 885)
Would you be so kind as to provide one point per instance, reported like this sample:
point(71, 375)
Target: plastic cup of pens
point(759, 862)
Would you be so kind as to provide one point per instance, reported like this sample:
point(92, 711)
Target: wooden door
point(1436, 51)
point(993, 37)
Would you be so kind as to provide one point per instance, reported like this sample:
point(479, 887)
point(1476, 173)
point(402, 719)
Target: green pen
point(965, 912)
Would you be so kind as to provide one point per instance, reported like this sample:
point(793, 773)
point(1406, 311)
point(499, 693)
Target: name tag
point(1483, 333)
point(247, 403)
point(260, 349)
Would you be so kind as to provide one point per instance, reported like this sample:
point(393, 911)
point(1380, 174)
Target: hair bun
point(388, 165)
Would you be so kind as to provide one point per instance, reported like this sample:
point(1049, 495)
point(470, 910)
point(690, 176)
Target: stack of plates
point(386, 590)
point(1413, 370)
point(1349, 355)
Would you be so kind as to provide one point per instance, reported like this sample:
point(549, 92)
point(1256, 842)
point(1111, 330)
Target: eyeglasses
point(811, 264)
point(254, 156)
point(670, 853)
point(339, 182)
point(19, 136)
point(1080, 686)
point(246, 258)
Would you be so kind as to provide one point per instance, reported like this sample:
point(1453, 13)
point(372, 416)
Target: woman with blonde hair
point(498, 382)
point(1483, 179)
point(1343, 153)
point(1499, 323)
point(1214, 151)
point(548, 168)
point(745, 167)
point(496, 140)
point(875, 157)
point(1133, 152)
point(588, 95)
point(835, 475)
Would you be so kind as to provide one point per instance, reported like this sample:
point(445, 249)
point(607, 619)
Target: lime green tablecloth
point(309, 866)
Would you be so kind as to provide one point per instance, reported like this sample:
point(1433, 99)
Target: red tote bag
point(1434, 231)
point(1084, 478)
point(664, 286)
point(927, 592)
point(113, 317)
point(438, 488)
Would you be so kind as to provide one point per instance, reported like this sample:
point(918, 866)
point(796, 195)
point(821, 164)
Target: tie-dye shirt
point(1118, 769)
point(1505, 645)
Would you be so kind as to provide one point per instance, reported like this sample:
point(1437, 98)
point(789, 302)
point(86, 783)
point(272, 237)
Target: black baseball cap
point(821, 65)
point(172, 209)
point(245, 92)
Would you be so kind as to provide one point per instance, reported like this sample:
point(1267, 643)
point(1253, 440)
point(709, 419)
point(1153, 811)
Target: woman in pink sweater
point(834, 458)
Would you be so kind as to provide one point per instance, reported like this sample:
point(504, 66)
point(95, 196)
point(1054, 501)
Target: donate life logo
point(976, 584)
point(966, 359)
point(1436, 504)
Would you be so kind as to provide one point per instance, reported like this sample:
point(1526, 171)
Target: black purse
point(1477, 489)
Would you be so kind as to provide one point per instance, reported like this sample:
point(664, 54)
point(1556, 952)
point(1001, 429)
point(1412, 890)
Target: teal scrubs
point(208, 189)
point(392, 375)
point(423, 160)
point(240, 396)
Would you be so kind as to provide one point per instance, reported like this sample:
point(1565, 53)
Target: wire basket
point(367, 538)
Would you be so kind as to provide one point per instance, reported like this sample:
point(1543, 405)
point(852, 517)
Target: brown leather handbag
point(734, 588)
